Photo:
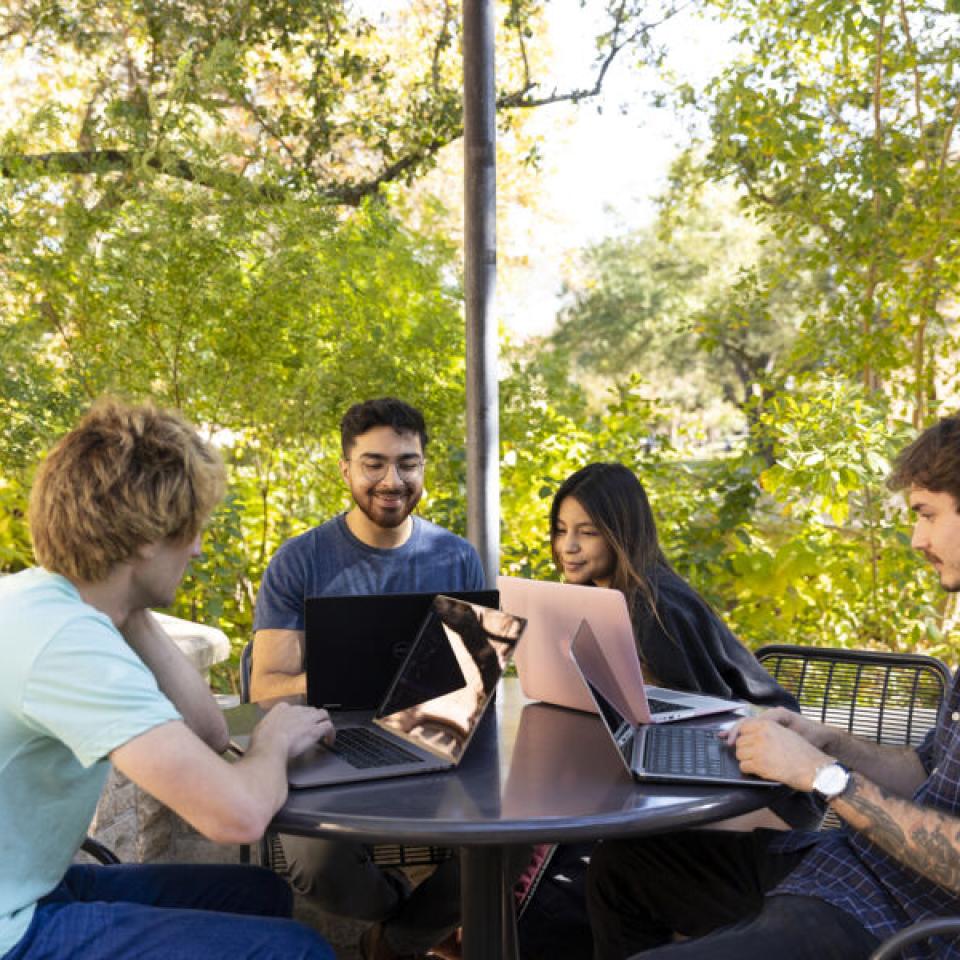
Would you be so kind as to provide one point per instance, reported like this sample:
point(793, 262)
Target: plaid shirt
point(847, 870)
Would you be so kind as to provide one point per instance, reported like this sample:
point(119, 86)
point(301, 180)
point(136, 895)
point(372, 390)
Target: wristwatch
point(831, 780)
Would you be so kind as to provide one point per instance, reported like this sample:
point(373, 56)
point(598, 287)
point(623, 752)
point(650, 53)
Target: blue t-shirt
point(71, 691)
point(330, 561)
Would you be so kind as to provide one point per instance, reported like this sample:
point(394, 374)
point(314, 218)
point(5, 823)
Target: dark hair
point(616, 502)
point(932, 461)
point(382, 412)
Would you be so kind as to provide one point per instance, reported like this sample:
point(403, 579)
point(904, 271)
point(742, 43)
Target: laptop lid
point(443, 688)
point(433, 707)
point(545, 667)
point(355, 644)
point(649, 751)
point(553, 612)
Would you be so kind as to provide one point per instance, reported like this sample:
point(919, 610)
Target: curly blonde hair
point(125, 476)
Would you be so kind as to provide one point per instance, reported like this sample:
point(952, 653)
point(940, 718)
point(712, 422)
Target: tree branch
point(86, 162)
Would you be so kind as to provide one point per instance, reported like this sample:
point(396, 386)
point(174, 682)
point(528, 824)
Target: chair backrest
point(246, 665)
point(890, 698)
point(886, 697)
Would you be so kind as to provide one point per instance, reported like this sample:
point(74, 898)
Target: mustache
point(403, 489)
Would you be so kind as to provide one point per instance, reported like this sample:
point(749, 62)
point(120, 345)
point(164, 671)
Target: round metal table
point(533, 774)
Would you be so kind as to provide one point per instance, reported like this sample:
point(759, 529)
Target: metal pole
point(480, 274)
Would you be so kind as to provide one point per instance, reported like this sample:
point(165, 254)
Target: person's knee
point(609, 862)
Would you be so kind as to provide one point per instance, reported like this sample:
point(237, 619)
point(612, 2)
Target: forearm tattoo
point(921, 838)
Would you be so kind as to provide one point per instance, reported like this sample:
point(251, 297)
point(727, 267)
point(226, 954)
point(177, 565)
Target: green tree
point(839, 124)
point(268, 98)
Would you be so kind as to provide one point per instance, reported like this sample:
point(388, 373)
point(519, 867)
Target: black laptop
point(355, 644)
point(433, 706)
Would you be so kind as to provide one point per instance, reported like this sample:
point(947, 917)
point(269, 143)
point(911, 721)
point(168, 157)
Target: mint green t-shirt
point(71, 691)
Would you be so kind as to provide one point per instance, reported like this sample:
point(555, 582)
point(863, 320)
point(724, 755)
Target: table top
point(534, 773)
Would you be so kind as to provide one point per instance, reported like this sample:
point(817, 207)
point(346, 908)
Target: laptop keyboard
point(662, 706)
point(363, 748)
point(688, 751)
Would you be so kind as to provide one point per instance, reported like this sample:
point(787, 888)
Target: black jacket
point(691, 648)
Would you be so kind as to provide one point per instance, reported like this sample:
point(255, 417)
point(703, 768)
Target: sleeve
point(689, 647)
point(89, 690)
point(925, 750)
point(281, 595)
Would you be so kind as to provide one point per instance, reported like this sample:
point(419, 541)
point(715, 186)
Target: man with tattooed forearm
point(798, 895)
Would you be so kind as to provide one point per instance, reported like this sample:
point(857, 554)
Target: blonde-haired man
point(89, 679)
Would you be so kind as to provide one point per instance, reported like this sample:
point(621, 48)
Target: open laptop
point(553, 612)
point(433, 706)
point(674, 754)
point(355, 644)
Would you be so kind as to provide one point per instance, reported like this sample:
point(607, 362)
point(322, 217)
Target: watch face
point(831, 780)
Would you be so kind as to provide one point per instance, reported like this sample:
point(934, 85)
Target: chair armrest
point(890, 949)
point(99, 852)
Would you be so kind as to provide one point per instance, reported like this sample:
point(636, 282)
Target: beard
point(385, 517)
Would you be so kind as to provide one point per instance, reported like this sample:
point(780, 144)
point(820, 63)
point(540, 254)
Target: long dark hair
point(616, 502)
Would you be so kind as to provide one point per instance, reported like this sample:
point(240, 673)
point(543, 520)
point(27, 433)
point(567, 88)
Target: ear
point(345, 471)
point(146, 551)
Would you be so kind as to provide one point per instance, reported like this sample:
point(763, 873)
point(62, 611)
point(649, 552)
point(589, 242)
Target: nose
point(567, 543)
point(392, 476)
point(920, 539)
point(195, 549)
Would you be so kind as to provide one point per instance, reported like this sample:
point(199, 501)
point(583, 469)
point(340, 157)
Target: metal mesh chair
point(890, 698)
point(937, 926)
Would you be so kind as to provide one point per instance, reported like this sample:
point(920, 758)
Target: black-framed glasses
point(376, 468)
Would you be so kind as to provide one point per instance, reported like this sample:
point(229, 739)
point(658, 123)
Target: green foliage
point(755, 366)
point(263, 325)
point(839, 126)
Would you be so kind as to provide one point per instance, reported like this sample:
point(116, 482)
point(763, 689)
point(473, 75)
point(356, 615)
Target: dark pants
point(641, 892)
point(159, 912)
point(340, 878)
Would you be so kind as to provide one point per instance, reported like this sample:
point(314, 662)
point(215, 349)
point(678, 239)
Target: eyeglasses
point(408, 468)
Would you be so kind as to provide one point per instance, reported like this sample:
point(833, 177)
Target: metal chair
point(890, 698)
point(99, 852)
point(921, 930)
point(246, 665)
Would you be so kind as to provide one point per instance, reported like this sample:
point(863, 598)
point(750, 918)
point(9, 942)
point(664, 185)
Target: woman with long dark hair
point(603, 532)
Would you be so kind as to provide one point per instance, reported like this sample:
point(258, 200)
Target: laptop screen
point(596, 674)
point(440, 693)
point(356, 644)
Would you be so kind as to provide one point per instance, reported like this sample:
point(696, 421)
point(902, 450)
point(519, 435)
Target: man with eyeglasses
point(376, 547)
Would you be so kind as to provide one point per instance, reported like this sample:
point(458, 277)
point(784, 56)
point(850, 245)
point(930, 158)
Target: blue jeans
point(168, 912)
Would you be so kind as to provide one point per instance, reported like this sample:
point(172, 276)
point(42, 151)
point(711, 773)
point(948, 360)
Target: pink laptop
point(547, 671)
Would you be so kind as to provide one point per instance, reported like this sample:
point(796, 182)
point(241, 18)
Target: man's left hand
point(770, 750)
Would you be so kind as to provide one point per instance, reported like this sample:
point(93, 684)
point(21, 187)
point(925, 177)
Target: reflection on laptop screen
point(440, 693)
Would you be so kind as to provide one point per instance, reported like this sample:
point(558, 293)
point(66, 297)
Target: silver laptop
point(433, 706)
point(668, 754)
point(553, 612)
